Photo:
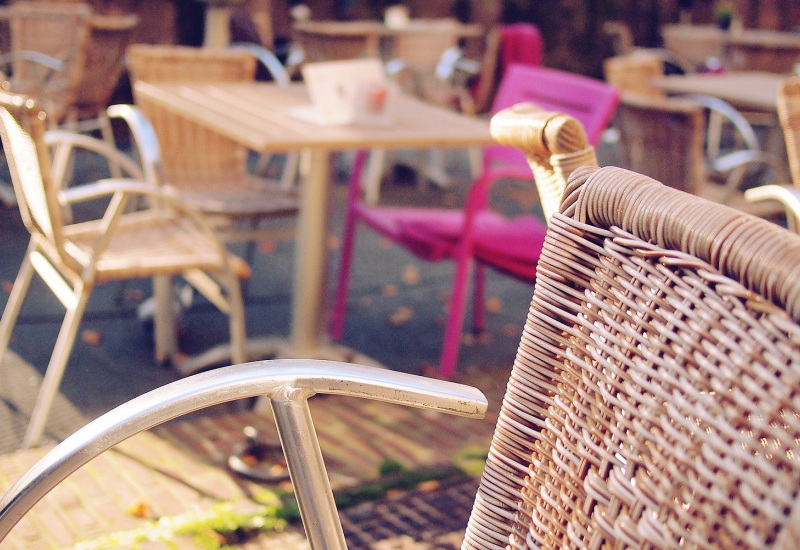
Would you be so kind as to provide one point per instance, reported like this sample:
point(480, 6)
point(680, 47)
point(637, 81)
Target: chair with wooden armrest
point(653, 401)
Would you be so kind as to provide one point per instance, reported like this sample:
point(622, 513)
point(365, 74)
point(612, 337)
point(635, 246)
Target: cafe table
point(264, 117)
point(745, 90)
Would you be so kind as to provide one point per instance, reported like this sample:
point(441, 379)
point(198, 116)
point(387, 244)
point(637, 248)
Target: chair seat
point(246, 196)
point(145, 244)
point(512, 245)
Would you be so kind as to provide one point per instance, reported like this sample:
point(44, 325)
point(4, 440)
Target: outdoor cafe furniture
point(70, 59)
point(653, 401)
point(166, 239)
point(666, 138)
point(738, 50)
point(263, 117)
point(209, 170)
point(476, 236)
point(789, 115)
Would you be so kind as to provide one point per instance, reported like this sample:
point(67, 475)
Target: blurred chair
point(622, 44)
point(634, 72)
point(788, 195)
point(477, 233)
point(665, 138)
point(789, 115)
point(167, 239)
point(70, 60)
point(653, 402)
point(208, 170)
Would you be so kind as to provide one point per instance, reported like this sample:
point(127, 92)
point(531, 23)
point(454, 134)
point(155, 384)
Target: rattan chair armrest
point(787, 195)
point(64, 142)
point(273, 65)
point(283, 381)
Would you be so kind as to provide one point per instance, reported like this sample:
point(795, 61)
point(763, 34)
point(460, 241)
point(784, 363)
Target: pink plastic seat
point(477, 233)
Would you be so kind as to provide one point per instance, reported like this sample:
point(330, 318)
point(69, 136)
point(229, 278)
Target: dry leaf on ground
point(401, 316)
point(494, 304)
point(267, 246)
point(334, 242)
point(411, 275)
point(7, 286)
point(91, 337)
point(388, 290)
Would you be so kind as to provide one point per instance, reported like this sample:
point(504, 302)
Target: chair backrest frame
point(789, 115)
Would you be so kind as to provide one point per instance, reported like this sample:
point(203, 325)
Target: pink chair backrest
point(520, 43)
point(592, 102)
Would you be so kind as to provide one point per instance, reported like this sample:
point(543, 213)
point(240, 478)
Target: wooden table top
point(259, 116)
point(746, 89)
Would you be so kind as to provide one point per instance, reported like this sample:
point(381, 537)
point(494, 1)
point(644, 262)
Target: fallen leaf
point(429, 486)
point(334, 242)
point(365, 301)
point(394, 493)
point(91, 337)
point(511, 329)
point(468, 339)
point(411, 275)
point(139, 509)
point(134, 294)
point(267, 246)
point(388, 290)
point(494, 304)
point(443, 296)
point(401, 316)
point(7, 286)
point(484, 337)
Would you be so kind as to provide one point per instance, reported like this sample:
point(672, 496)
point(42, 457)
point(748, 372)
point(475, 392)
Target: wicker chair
point(665, 138)
point(207, 169)
point(167, 239)
point(653, 401)
point(789, 115)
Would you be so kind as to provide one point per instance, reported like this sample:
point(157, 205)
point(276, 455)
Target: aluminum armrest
point(275, 68)
point(727, 163)
point(787, 195)
point(288, 384)
point(65, 141)
point(144, 137)
point(33, 56)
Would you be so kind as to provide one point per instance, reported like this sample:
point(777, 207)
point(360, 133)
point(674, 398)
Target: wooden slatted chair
point(167, 239)
point(207, 169)
point(653, 402)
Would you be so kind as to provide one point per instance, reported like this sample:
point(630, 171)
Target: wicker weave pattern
point(789, 114)
point(654, 386)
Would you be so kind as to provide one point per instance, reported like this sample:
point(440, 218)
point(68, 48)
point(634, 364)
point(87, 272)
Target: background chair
point(789, 115)
point(618, 427)
point(208, 170)
point(477, 233)
point(161, 241)
point(666, 138)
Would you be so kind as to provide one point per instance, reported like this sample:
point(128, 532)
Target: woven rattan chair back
point(191, 154)
point(634, 72)
point(789, 114)
point(653, 400)
point(109, 37)
point(662, 138)
point(30, 173)
point(58, 30)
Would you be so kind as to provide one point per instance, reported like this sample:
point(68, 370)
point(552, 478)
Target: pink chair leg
point(479, 299)
point(455, 314)
point(348, 242)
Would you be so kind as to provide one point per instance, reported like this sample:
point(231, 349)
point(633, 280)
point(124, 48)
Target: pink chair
point(511, 246)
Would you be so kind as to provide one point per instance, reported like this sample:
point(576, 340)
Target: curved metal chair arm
point(144, 136)
point(288, 384)
point(276, 69)
point(45, 60)
point(787, 195)
point(64, 142)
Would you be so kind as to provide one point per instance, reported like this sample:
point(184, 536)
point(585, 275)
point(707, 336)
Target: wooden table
point(258, 115)
point(748, 90)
